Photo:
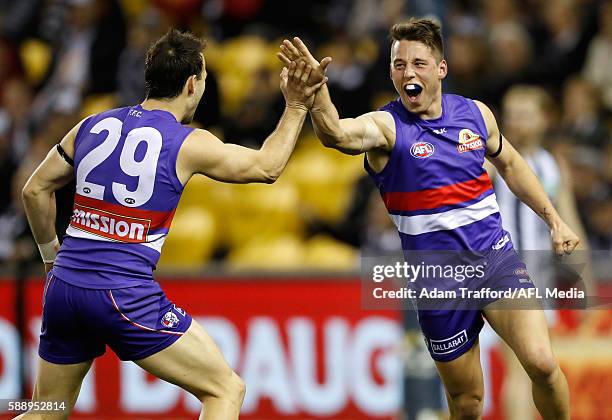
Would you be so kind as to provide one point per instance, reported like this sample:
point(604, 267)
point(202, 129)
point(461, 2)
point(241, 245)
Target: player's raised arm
point(204, 153)
point(39, 195)
point(371, 131)
point(525, 184)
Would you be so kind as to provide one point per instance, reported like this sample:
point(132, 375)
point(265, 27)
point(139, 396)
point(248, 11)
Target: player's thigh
point(526, 332)
point(59, 383)
point(462, 377)
point(55, 381)
point(193, 362)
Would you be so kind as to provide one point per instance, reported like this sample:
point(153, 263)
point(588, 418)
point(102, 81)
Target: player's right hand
point(297, 92)
point(297, 51)
point(564, 239)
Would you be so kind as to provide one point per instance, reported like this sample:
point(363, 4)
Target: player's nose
point(409, 73)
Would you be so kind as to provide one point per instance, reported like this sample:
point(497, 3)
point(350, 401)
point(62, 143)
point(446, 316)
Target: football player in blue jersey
point(425, 152)
point(131, 165)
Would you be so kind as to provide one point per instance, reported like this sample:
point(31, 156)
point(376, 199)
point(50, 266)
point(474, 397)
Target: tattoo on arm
point(545, 213)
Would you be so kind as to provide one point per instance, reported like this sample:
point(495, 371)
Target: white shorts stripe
point(143, 327)
point(448, 220)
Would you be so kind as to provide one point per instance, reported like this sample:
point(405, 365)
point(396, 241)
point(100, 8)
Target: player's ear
point(442, 69)
point(191, 84)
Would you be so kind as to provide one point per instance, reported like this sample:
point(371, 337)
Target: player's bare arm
point(373, 132)
point(204, 153)
point(39, 196)
point(525, 184)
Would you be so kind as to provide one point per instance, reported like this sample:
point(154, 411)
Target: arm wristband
point(48, 251)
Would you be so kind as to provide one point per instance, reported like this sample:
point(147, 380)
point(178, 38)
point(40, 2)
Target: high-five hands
point(296, 51)
point(295, 85)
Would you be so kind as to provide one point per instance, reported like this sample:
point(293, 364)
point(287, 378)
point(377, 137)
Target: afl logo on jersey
point(468, 141)
point(422, 150)
point(130, 200)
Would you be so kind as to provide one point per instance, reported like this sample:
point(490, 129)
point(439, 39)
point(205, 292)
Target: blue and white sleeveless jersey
point(127, 192)
point(434, 184)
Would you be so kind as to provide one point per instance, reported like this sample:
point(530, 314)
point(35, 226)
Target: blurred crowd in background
point(62, 60)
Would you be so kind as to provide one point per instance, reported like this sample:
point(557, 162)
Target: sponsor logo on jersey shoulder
point(469, 141)
point(440, 131)
point(422, 150)
point(170, 320)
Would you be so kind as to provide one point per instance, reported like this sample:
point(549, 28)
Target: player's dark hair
point(170, 61)
point(423, 30)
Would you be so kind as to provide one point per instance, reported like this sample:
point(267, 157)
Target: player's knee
point(240, 388)
point(226, 385)
point(233, 386)
point(466, 406)
point(543, 368)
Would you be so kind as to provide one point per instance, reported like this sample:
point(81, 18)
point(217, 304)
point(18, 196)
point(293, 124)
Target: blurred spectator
point(144, 30)
point(467, 58)
point(568, 29)
point(109, 37)
point(17, 18)
point(600, 221)
point(511, 66)
point(379, 234)
point(500, 12)
point(258, 113)
point(208, 112)
point(87, 58)
point(347, 77)
point(599, 56)
point(583, 118)
point(590, 189)
point(14, 134)
point(14, 112)
point(16, 242)
point(526, 120)
point(371, 20)
point(374, 17)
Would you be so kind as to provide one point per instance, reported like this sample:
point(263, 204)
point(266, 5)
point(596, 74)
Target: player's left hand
point(297, 51)
point(564, 239)
point(294, 86)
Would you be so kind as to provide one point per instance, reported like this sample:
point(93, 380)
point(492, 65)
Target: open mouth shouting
point(413, 91)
